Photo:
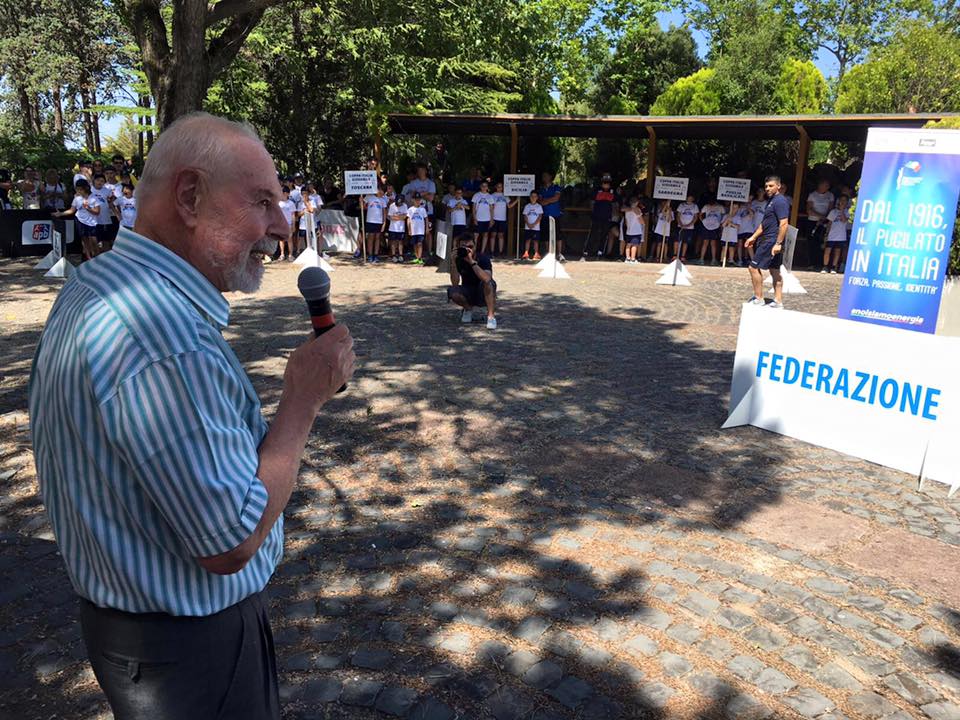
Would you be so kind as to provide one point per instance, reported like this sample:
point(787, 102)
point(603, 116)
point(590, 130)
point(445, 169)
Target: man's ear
point(187, 190)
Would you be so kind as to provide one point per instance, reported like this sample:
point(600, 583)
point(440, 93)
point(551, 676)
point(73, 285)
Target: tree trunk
point(87, 124)
point(95, 122)
point(57, 112)
point(25, 111)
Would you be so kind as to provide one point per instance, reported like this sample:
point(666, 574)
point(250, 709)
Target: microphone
point(314, 285)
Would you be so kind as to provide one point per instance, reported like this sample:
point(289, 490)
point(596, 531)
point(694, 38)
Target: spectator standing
point(457, 207)
point(837, 236)
point(661, 237)
point(601, 213)
point(288, 208)
point(86, 207)
point(688, 213)
point(551, 198)
point(397, 214)
point(29, 189)
point(376, 209)
point(53, 195)
point(819, 204)
point(482, 202)
point(634, 220)
point(501, 204)
point(6, 185)
point(711, 218)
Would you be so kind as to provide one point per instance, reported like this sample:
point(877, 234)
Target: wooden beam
point(512, 238)
point(803, 158)
point(378, 150)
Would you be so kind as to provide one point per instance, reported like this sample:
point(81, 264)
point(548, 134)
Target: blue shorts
point(687, 234)
point(86, 230)
point(763, 257)
point(837, 243)
point(459, 230)
point(531, 235)
point(417, 239)
point(710, 234)
point(634, 239)
point(395, 236)
point(499, 226)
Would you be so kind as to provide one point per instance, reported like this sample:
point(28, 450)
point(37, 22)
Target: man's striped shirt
point(146, 432)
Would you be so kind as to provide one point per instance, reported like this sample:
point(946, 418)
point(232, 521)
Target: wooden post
point(377, 151)
point(648, 189)
point(513, 238)
point(802, 159)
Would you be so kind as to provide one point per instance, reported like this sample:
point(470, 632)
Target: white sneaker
point(823, 271)
point(466, 316)
point(491, 323)
point(561, 258)
point(775, 305)
point(756, 301)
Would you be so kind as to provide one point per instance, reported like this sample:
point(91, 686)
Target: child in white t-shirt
point(483, 216)
point(289, 209)
point(532, 215)
point(418, 225)
point(711, 217)
point(397, 214)
point(687, 214)
point(457, 206)
point(501, 204)
point(125, 209)
point(730, 232)
point(375, 221)
point(839, 219)
point(634, 223)
point(86, 207)
point(746, 220)
point(661, 232)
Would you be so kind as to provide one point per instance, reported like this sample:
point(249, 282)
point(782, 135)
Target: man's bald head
point(209, 192)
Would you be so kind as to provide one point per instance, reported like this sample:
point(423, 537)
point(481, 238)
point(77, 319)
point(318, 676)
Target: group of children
point(100, 206)
point(300, 202)
point(719, 229)
point(404, 221)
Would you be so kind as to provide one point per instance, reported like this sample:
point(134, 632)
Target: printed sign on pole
point(733, 189)
point(519, 185)
point(873, 392)
point(360, 182)
point(903, 228)
point(670, 188)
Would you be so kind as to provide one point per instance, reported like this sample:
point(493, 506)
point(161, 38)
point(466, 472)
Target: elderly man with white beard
point(164, 485)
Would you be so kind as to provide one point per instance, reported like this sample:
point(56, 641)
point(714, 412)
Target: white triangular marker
point(49, 260)
point(555, 271)
point(545, 261)
point(791, 285)
point(63, 268)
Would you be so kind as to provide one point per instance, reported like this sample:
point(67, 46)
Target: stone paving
point(541, 522)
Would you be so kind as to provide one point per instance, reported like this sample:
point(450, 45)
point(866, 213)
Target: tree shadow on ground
point(437, 541)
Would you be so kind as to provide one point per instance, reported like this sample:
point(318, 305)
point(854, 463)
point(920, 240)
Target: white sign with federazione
point(360, 182)
point(670, 188)
point(519, 185)
point(883, 394)
point(733, 189)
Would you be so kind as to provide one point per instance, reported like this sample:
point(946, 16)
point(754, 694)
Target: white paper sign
point(886, 395)
point(36, 232)
point(670, 188)
point(360, 182)
point(338, 231)
point(519, 185)
point(733, 189)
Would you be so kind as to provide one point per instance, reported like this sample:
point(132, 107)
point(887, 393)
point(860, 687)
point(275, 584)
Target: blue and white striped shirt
point(146, 432)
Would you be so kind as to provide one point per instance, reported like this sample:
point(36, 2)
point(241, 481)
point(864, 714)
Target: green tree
point(691, 95)
point(644, 63)
point(917, 71)
point(728, 24)
point(801, 89)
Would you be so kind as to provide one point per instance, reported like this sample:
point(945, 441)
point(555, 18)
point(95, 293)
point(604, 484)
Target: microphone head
point(314, 283)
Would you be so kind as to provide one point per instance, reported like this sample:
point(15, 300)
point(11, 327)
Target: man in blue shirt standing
point(769, 253)
point(164, 485)
point(550, 196)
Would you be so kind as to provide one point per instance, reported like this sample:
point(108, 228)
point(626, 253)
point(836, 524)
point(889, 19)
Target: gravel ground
point(541, 521)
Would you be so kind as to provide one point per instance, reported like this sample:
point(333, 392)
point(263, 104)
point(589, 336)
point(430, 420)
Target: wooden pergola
point(801, 128)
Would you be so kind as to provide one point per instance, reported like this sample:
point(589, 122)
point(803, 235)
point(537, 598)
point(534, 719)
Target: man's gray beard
point(237, 278)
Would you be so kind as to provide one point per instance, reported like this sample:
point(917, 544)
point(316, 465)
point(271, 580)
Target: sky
point(826, 63)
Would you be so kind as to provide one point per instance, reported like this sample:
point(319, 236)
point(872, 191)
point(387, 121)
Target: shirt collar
point(184, 276)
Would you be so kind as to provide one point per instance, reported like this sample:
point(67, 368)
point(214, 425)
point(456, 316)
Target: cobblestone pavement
point(541, 522)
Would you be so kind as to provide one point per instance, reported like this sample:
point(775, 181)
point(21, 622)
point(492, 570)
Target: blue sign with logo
point(902, 228)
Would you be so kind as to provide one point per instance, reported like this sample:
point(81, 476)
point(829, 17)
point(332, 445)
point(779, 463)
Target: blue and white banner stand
point(879, 393)
point(902, 228)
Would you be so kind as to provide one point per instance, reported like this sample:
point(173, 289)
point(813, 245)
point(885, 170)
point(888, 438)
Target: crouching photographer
point(473, 283)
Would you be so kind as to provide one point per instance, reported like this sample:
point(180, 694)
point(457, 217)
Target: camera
point(462, 253)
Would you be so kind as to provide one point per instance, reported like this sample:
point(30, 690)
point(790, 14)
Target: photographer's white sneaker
point(466, 316)
point(491, 323)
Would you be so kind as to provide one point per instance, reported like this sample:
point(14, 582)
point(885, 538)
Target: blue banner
point(902, 228)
